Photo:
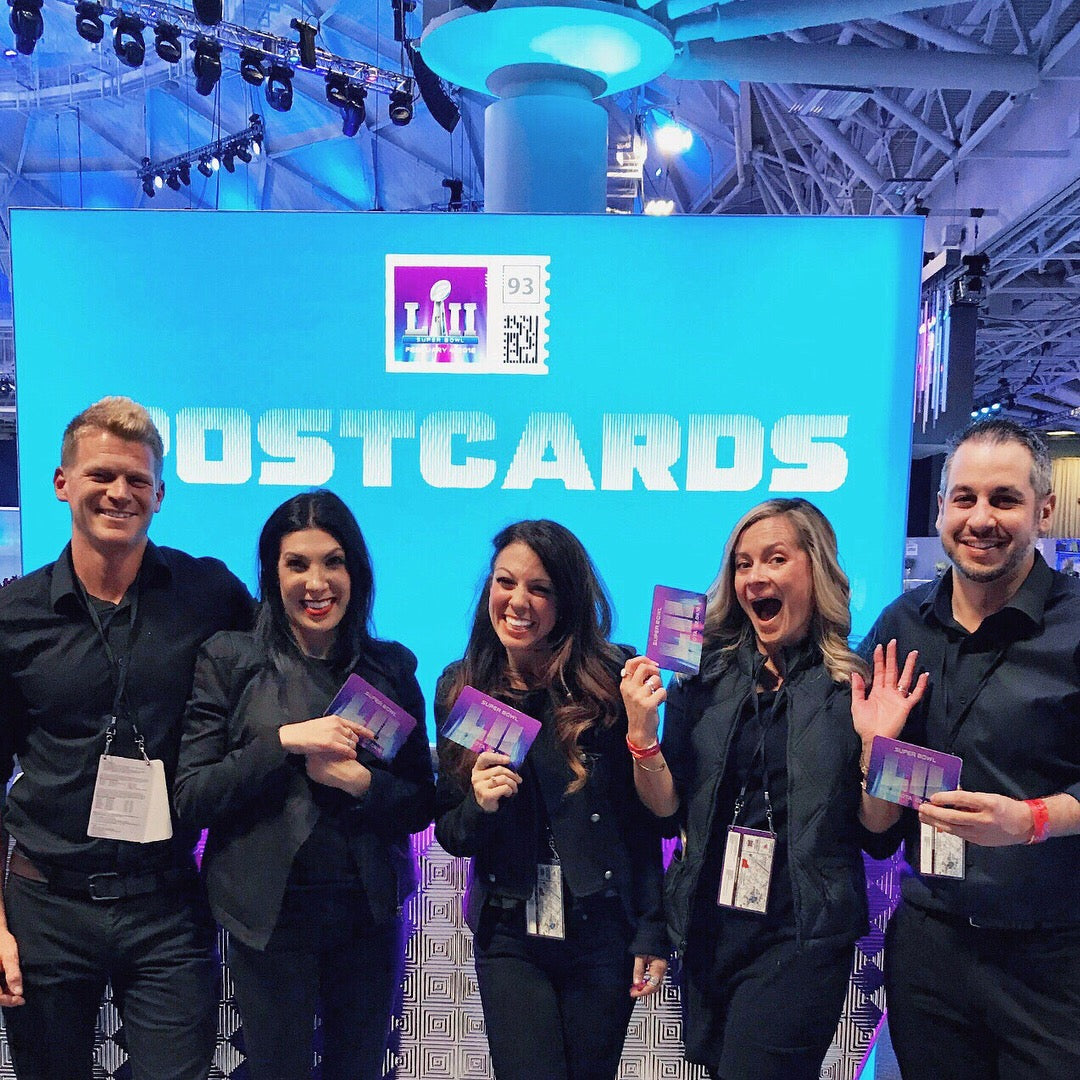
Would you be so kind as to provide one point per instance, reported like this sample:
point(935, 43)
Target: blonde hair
point(120, 416)
point(726, 624)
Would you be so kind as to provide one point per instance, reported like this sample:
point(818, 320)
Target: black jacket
point(823, 779)
point(607, 841)
point(235, 778)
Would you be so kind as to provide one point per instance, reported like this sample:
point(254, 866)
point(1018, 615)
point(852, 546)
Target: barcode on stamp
point(521, 339)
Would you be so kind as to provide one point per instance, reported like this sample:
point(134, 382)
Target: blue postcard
point(903, 773)
point(479, 723)
point(358, 700)
point(676, 629)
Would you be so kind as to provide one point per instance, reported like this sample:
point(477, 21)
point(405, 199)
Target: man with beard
point(982, 964)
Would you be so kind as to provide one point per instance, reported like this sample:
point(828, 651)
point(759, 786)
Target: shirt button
point(594, 818)
point(608, 875)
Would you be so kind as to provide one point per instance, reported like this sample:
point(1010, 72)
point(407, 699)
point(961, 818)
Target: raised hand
point(643, 693)
point(884, 711)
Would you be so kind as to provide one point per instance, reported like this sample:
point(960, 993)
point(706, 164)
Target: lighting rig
point(175, 172)
point(264, 59)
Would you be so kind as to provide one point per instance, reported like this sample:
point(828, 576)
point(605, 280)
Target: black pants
point(158, 951)
point(974, 1004)
point(770, 1016)
point(555, 1010)
point(325, 956)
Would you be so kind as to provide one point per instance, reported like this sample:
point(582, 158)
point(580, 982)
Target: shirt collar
point(1029, 601)
point(153, 571)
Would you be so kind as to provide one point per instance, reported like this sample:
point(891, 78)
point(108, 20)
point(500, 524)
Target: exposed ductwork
point(737, 19)
point(852, 65)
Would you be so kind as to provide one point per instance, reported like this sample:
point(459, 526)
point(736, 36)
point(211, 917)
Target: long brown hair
point(582, 672)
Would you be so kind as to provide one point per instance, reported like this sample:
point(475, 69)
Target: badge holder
point(941, 854)
point(746, 872)
point(544, 910)
point(131, 801)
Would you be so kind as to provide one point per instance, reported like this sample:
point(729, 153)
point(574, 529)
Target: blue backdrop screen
point(644, 381)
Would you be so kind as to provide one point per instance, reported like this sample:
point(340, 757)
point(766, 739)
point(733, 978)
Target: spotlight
point(353, 113)
point(401, 106)
point(88, 21)
point(148, 187)
point(208, 12)
point(279, 87)
point(185, 172)
point(244, 154)
point(215, 164)
point(159, 180)
point(251, 67)
point(26, 24)
point(307, 34)
point(455, 188)
point(128, 41)
point(206, 65)
point(228, 162)
point(167, 43)
point(439, 103)
point(337, 89)
point(173, 180)
point(204, 168)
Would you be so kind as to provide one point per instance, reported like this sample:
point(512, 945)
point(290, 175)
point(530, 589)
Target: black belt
point(108, 885)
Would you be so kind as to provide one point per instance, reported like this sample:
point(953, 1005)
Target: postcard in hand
point(902, 773)
point(358, 700)
point(676, 629)
point(479, 723)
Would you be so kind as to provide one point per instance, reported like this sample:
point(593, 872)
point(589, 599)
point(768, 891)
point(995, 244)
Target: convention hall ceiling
point(968, 113)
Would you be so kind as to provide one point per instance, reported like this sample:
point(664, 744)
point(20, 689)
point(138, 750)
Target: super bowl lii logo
point(450, 336)
point(467, 313)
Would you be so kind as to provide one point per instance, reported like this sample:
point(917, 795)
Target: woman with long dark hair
point(556, 1004)
point(307, 862)
point(761, 763)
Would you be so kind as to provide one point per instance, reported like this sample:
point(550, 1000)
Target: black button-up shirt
point(1006, 699)
point(57, 689)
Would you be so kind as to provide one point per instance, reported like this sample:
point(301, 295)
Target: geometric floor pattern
point(439, 1032)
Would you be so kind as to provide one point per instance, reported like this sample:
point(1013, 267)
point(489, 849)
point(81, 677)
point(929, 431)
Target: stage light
point(251, 67)
point(401, 106)
point(455, 188)
point(244, 154)
point(128, 41)
point(228, 162)
point(352, 118)
point(439, 103)
point(26, 24)
point(307, 34)
point(206, 65)
point(167, 43)
point(173, 180)
point(215, 163)
point(88, 21)
point(672, 138)
point(148, 187)
point(208, 12)
point(659, 207)
point(185, 172)
point(337, 89)
point(204, 168)
point(279, 92)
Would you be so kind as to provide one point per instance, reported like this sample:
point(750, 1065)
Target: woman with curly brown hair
point(556, 1003)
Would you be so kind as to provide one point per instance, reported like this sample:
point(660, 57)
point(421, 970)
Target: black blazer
point(608, 842)
point(235, 778)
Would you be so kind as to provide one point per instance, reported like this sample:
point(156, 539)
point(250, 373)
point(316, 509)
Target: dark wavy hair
point(319, 509)
point(582, 672)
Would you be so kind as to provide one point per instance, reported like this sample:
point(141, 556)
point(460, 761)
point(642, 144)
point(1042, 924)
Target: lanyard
point(958, 722)
point(759, 752)
point(120, 666)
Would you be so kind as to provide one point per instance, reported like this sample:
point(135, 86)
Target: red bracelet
point(640, 753)
point(1040, 820)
